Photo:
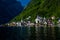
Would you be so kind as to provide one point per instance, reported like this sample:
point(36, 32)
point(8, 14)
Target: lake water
point(29, 33)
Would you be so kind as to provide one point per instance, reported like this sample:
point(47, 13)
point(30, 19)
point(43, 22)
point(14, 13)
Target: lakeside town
point(39, 21)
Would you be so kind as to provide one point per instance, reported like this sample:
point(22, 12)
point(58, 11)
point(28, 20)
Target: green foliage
point(44, 8)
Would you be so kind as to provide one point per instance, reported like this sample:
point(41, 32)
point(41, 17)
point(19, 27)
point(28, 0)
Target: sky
point(24, 2)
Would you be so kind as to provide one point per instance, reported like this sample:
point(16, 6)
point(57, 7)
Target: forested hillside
point(44, 8)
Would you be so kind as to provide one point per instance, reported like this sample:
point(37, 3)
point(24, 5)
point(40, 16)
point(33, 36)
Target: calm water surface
point(29, 33)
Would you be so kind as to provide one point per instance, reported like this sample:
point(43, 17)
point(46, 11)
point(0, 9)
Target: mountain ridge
point(9, 9)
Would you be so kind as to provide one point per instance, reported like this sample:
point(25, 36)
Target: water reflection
point(31, 33)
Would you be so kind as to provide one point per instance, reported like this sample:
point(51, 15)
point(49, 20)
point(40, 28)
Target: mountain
point(44, 8)
point(9, 9)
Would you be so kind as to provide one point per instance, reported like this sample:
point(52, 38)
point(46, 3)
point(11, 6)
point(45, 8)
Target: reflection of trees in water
point(44, 33)
point(31, 33)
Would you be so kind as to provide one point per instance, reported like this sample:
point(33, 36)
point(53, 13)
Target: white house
point(28, 23)
point(53, 17)
point(18, 24)
point(45, 23)
point(37, 20)
point(58, 21)
point(22, 21)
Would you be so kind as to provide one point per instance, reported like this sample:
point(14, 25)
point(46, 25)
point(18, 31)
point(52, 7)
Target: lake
point(29, 33)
